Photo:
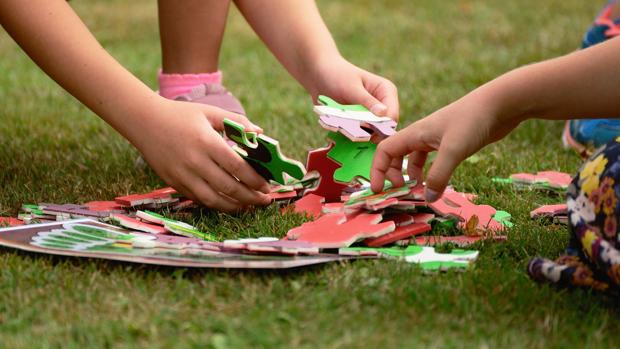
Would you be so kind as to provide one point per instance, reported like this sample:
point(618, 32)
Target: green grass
point(52, 149)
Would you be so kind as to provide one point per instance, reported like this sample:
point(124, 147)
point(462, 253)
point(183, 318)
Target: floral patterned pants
point(592, 258)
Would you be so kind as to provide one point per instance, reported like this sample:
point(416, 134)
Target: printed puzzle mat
point(92, 239)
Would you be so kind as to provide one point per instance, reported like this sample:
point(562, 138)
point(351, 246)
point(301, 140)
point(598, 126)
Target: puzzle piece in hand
point(369, 200)
point(351, 120)
point(554, 179)
point(335, 231)
point(456, 205)
point(321, 163)
point(262, 153)
point(310, 205)
point(400, 233)
point(355, 158)
point(550, 211)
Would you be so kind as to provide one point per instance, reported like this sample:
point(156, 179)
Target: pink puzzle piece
point(310, 205)
point(287, 195)
point(354, 130)
point(400, 219)
point(335, 231)
point(156, 197)
point(423, 217)
point(550, 211)
point(136, 224)
point(555, 179)
point(456, 205)
point(400, 233)
point(333, 207)
point(319, 161)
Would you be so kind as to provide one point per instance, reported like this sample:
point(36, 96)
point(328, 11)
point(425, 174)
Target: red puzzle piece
point(103, 206)
point(319, 161)
point(311, 205)
point(555, 179)
point(400, 233)
point(334, 231)
point(455, 204)
point(136, 224)
point(10, 222)
point(550, 211)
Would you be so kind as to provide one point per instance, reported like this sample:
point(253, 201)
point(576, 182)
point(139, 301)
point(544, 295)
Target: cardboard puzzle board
point(21, 237)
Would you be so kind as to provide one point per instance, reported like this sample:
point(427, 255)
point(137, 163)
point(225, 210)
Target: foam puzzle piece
point(333, 207)
point(400, 233)
point(10, 222)
point(176, 243)
point(458, 240)
point(350, 120)
point(355, 158)
point(550, 211)
point(152, 217)
point(132, 223)
point(310, 205)
point(554, 179)
point(280, 196)
point(454, 204)
point(400, 219)
point(335, 231)
point(283, 247)
point(504, 218)
point(426, 257)
point(369, 200)
point(262, 153)
point(240, 244)
point(156, 197)
point(321, 163)
point(423, 217)
point(103, 206)
point(184, 229)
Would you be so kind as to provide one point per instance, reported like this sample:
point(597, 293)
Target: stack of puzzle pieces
point(345, 216)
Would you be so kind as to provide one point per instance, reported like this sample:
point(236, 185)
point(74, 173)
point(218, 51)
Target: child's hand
point(182, 146)
point(348, 84)
point(455, 131)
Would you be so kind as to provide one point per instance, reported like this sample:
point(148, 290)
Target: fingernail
point(378, 109)
point(265, 189)
point(430, 195)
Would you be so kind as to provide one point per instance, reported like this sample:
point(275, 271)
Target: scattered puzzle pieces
point(400, 233)
point(458, 240)
point(334, 230)
point(262, 153)
point(367, 199)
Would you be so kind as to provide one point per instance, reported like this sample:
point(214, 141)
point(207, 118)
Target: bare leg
point(191, 34)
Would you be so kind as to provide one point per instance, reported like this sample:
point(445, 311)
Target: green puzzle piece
point(355, 158)
point(262, 153)
point(424, 256)
point(326, 101)
point(504, 218)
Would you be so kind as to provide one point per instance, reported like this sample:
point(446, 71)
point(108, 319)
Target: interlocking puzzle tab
point(355, 158)
point(353, 121)
point(262, 153)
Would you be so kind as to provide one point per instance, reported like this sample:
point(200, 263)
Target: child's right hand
point(455, 131)
point(194, 159)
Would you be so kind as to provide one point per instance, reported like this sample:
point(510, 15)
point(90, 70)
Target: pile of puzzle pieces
point(332, 190)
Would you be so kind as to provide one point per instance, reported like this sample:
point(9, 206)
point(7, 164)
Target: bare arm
point(296, 34)
point(189, 155)
point(584, 83)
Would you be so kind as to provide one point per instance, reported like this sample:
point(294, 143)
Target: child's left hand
point(348, 84)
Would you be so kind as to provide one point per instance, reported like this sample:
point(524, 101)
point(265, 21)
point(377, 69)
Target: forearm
point(58, 41)
point(584, 84)
point(294, 31)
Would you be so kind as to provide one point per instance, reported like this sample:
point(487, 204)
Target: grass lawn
point(52, 149)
